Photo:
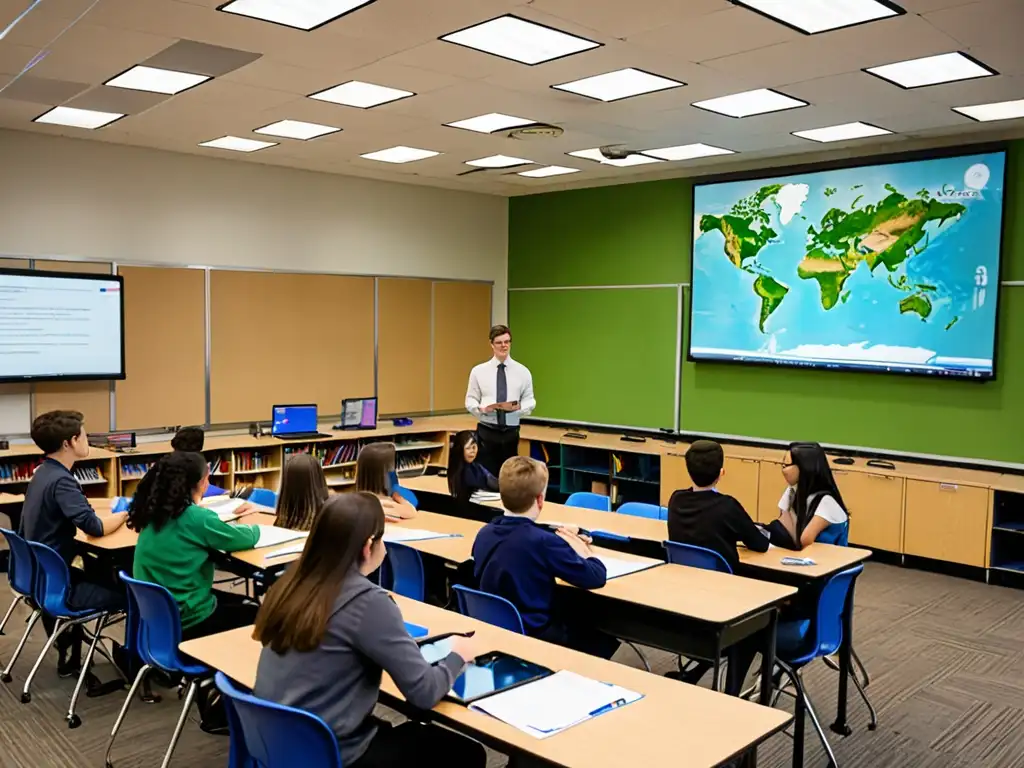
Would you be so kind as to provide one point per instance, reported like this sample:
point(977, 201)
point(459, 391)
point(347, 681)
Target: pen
point(280, 554)
point(607, 708)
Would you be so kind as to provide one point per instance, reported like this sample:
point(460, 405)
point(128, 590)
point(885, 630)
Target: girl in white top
point(812, 501)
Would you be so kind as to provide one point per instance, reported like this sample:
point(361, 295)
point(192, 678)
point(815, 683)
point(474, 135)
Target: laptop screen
point(294, 419)
point(359, 412)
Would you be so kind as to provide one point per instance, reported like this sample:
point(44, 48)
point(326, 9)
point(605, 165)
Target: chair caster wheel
point(74, 721)
point(6, 678)
point(872, 726)
point(26, 698)
point(109, 764)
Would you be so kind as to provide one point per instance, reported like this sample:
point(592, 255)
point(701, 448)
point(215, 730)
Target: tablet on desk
point(488, 674)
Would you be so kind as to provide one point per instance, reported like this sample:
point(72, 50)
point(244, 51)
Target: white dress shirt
point(483, 391)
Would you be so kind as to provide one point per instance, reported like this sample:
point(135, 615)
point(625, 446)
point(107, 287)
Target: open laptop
point(294, 422)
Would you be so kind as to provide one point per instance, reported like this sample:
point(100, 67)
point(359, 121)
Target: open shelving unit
point(96, 474)
point(1008, 532)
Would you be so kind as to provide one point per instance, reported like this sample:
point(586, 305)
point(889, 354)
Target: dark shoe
point(69, 668)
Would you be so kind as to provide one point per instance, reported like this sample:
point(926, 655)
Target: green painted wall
point(640, 234)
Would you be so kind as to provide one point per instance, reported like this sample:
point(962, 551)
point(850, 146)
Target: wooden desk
point(672, 719)
point(828, 559)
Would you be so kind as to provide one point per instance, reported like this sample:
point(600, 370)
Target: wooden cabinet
point(875, 504)
point(741, 482)
point(770, 485)
point(673, 475)
point(946, 521)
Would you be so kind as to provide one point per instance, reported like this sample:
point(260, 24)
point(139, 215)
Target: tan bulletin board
point(462, 318)
point(287, 338)
point(165, 348)
point(403, 345)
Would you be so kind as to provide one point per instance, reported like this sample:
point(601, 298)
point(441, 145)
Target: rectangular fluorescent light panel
point(300, 14)
point(932, 70)
point(154, 80)
point(495, 121)
point(513, 38)
point(400, 155)
point(999, 110)
point(749, 103)
point(296, 129)
point(238, 144)
point(362, 95)
point(843, 132)
point(813, 16)
point(78, 118)
point(595, 155)
point(498, 161)
point(620, 84)
point(548, 170)
point(687, 152)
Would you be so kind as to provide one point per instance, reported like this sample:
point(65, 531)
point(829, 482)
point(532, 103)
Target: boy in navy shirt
point(517, 559)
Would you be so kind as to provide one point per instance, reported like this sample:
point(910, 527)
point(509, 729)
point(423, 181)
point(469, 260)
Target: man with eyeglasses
point(500, 393)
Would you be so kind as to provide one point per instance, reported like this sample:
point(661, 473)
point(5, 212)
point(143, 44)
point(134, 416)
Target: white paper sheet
point(271, 535)
point(485, 497)
point(225, 507)
point(399, 534)
point(617, 567)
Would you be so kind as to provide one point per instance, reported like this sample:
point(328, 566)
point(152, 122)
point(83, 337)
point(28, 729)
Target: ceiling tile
point(128, 102)
point(624, 19)
point(201, 58)
point(726, 32)
point(40, 90)
point(989, 32)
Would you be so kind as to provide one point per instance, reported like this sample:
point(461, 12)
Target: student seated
point(811, 507)
point(466, 475)
point(54, 508)
point(191, 440)
point(328, 634)
point(703, 517)
point(178, 540)
point(517, 559)
point(375, 473)
point(303, 491)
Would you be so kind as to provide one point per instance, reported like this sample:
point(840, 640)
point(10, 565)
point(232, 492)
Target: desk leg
point(768, 660)
point(800, 710)
point(840, 726)
point(716, 683)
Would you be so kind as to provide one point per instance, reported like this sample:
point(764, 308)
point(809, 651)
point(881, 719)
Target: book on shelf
point(135, 471)
point(19, 471)
point(218, 464)
point(247, 461)
point(87, 474)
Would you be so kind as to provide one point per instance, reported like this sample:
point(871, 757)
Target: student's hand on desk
point(466, 648)
point(245, 509)
point(579, 546)
point(113, 521)
point(575, 531)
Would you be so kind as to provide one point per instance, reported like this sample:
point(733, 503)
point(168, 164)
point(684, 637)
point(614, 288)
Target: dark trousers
point(232, 611)
point(86, 593)
point(497, 444)
point(741, 656)
point(579, 638)
point(410, 742)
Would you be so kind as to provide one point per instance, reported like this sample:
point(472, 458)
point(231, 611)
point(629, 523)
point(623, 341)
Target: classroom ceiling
point(262, 72)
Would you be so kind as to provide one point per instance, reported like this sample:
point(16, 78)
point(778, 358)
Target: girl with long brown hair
point(375, 469)
point(303, 491)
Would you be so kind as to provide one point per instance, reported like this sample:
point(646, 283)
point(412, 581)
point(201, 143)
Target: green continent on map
point(746, 228)
point(830, 273)
point(772, 292)
point(918, 303)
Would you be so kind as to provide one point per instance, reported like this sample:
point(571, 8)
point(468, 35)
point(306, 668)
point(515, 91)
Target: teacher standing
point(500, 393)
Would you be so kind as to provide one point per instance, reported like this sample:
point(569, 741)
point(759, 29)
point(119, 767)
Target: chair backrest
point(52, 580)
point(277, 736)
point(263, 497)
point(827, 629)
point(836, 533)
point(696, 557)
point(490, 608)
point(588, 500)
point(407, 577)
point(408, 495)
point(21, 568)
point(158, 623)
point(640, 509)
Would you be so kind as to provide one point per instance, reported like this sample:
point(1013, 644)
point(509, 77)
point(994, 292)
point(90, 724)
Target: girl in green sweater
point(178, 540)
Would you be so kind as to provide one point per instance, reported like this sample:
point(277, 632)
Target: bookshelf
point(1008, 533)
point(97, 474)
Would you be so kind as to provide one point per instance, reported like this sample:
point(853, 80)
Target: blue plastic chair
point(409, 496)
point(406, 567)
point(489, 608)
point(21, 573)
point(157, 637)
point(639, 509)
point(800, 642)
point(696, 557)
point(264, 497)
point(276, 736)
point(587, 500)
point(52, 587)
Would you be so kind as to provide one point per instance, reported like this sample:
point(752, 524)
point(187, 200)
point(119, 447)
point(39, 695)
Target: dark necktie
point(502, 392)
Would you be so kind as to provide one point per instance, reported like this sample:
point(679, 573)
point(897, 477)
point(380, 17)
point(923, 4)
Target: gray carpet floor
point(946, 657)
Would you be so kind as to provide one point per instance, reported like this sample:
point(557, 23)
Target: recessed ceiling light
point(750, 103)
point(687, 152)
point(548, 170)
point(842, 132)
point(524, 41)
point(301, 14)
point(78, 118)
point(932, 70)
point(400, 155)
point(296, 129)
point(813, 16)
point(498, 161)
point(238, 144)
point(154, 80)
point(999, 110)
point(597, 157)
point(620, 84)
point(356, 93)
point(490, 123)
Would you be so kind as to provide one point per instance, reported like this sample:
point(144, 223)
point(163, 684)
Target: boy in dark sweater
point(703, 517)
point(517, 559)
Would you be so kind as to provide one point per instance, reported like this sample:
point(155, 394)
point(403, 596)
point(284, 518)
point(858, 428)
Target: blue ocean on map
point(887, 266)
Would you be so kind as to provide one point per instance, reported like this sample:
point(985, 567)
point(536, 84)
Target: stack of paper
point(399, 534)
point(617, 567)
point(485, 497)
point(294, 549)
point(225, 507)
point(271, 535)
point(552, 704)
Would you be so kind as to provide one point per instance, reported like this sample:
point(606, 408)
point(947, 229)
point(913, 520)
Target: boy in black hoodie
point(706, 518)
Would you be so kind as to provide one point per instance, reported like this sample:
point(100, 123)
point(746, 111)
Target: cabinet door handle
point(750, 461)
point(677, 455)
point(948, 487)
point(840, 472)
point(882, 477)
